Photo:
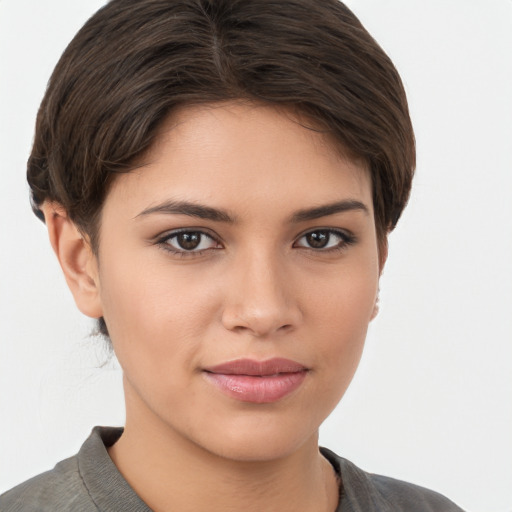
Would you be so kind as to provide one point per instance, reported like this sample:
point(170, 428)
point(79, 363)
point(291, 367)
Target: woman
point(218, 179)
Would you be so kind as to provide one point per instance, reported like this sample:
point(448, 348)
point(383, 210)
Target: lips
point(257, 382)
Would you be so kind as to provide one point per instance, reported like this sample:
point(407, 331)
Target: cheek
point(154, 342)
point(154, 312)
point(346, 297)
point(343, 311)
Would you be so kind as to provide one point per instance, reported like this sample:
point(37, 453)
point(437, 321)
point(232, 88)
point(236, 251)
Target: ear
point(383, 256)
point(375, 311)
point(76, 259)
point(383, 253)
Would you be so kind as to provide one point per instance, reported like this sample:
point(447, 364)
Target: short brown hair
point(135, 61)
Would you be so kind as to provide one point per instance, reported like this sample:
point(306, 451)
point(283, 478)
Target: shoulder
point(57, 490)
point(377, 493)
point(87, 482)
point(411, 497)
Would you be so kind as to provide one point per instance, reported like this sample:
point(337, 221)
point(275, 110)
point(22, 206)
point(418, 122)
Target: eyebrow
point(190, 209)
point(329, 209)
point(218, 215)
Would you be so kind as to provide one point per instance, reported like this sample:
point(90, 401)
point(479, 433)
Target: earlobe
point(76, 259)
point(375, 311)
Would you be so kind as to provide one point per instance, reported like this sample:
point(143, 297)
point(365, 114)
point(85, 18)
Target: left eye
point(323, 239)
point(190, 241)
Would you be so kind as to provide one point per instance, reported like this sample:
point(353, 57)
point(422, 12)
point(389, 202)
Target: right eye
point(188, 242)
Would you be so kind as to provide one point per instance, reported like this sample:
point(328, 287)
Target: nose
point(261, 300)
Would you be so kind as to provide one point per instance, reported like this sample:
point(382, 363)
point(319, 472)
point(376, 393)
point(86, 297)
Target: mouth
point(257, 382)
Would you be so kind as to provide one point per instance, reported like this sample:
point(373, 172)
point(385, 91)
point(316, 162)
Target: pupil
point(189, 241)
point(318, 239)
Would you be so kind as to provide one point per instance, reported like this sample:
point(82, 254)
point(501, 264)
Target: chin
point(263, 450)
point(261, 440)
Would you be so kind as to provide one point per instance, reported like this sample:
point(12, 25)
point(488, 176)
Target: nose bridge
point(261, 299)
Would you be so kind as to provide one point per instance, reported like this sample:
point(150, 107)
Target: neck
point(169, 472)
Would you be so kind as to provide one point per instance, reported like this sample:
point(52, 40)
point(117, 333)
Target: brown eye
point(318, 239)
point(325, 239)
point(189, 241)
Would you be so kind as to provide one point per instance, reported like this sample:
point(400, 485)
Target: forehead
point(243, 153)
point(245, 123)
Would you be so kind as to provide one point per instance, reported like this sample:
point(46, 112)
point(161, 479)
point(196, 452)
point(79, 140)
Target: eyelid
point(162, 240)
point(347, 238)
point(165, 235)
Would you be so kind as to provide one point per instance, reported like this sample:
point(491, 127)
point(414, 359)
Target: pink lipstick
point(258, 382)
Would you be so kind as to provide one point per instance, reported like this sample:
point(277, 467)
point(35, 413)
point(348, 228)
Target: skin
point(256, 289)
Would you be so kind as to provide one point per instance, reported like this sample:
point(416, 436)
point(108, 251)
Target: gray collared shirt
point(90, 482)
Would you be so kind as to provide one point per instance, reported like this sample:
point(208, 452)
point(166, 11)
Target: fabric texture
point(90, 482)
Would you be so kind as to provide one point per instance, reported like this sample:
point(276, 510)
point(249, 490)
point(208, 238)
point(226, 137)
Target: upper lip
point(257, 368)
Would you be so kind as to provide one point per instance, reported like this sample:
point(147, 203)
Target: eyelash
point(346, 239)
point(163, 242)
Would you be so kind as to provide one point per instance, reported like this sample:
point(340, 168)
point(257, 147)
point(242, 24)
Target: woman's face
point(238, 272)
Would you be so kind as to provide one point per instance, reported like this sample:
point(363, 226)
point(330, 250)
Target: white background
point(432, 402)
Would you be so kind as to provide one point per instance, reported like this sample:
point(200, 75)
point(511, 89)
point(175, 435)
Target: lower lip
point(257, 390)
